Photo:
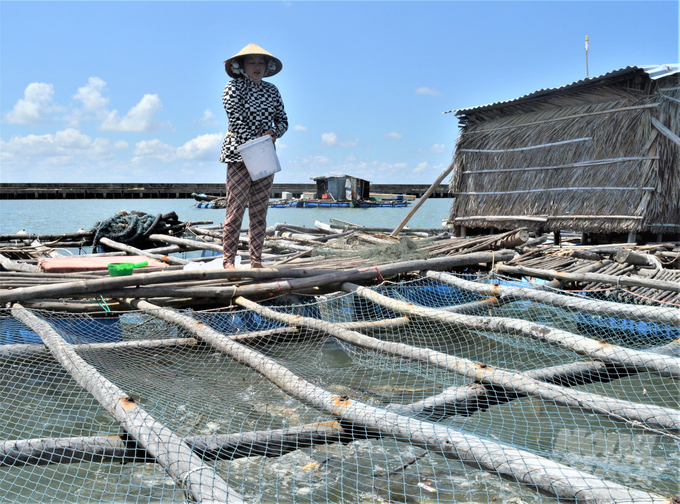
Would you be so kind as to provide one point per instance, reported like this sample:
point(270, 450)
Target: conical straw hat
point(249, 50)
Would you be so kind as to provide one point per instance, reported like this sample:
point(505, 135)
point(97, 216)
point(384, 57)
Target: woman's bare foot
point(229, 266)
point(256, 264)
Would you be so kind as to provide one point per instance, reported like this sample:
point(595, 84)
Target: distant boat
point(207, 201)
point(203, 197)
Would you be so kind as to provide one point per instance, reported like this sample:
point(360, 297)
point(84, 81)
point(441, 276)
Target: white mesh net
point(58, 444)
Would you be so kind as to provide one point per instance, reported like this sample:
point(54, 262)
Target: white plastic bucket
point(260, 157)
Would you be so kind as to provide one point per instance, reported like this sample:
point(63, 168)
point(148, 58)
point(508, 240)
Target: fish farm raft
point(525, 352)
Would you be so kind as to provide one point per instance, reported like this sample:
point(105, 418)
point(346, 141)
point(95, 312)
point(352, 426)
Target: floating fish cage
point(418, 391)
point(313, 203)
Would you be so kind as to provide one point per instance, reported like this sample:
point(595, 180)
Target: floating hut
point(598, 156)
point(342, 187)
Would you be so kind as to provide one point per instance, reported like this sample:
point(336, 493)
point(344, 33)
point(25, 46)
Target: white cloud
point(438, 148)
point(65, 143)
point(369, 169)
point(208, 118)
point(202, 147)
point(311, 164)
point(154, 149)
point(421, 167)
point(331, 140)
point(315, 160)
point(300, 127)
point(428, 91)
point(393, 134)
point(36, 102)
point(91, 95)
point(141, 117)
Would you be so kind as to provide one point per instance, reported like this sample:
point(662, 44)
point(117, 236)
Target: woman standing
point(254, 108)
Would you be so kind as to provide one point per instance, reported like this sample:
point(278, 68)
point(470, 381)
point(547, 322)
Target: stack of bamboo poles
point(338, 256)
point(317, 259)
point(188, 288)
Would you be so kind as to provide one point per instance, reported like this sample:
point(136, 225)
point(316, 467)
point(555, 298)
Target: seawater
point(67, 216)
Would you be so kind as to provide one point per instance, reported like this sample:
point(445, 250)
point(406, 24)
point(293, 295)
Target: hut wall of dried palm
point(589, 160)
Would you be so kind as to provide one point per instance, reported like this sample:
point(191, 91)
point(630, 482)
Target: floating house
point(598, 156)
point(342, 187)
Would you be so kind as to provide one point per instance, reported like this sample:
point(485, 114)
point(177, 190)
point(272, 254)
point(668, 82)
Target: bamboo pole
point(291, 258)
point(135, 251)
point(28, 350)
point(555, 189)
point(659, 315)
point(98, 285)
point(665, 131)
point(195, 244)
point(116, 449)
point(638, 359)
point(514, 381)
point(22, 350)
point(590, 278)
point(530, 147)
point(580, 164)
point(325, 228)
point(467, 399)
point(539, 473)
point(75, 306)
point(422, 199)
point(47, 237)
point(170, 451)
point(10, 265)
point(307, 277)
point(297, 229)
point(629, 257)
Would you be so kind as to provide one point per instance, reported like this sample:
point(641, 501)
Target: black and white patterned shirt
point(252, 109)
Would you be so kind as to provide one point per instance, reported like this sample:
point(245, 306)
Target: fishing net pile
point(413, 392)
point(132, 227)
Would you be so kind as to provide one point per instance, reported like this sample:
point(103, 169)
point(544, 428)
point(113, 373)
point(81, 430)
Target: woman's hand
point(271, 133)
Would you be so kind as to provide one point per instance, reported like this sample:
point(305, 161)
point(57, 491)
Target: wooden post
point(424, 197)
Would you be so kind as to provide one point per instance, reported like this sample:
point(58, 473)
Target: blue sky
point(131, 91)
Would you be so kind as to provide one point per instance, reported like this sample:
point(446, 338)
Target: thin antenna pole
point(587, 73)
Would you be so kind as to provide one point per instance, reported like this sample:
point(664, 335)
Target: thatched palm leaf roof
point(592, 160)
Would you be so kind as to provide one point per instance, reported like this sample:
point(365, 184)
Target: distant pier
point(10, 191)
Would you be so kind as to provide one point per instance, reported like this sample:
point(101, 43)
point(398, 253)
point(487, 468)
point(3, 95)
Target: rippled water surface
point(67, 216)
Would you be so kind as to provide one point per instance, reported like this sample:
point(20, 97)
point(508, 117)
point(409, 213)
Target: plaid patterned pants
point(242, 192)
